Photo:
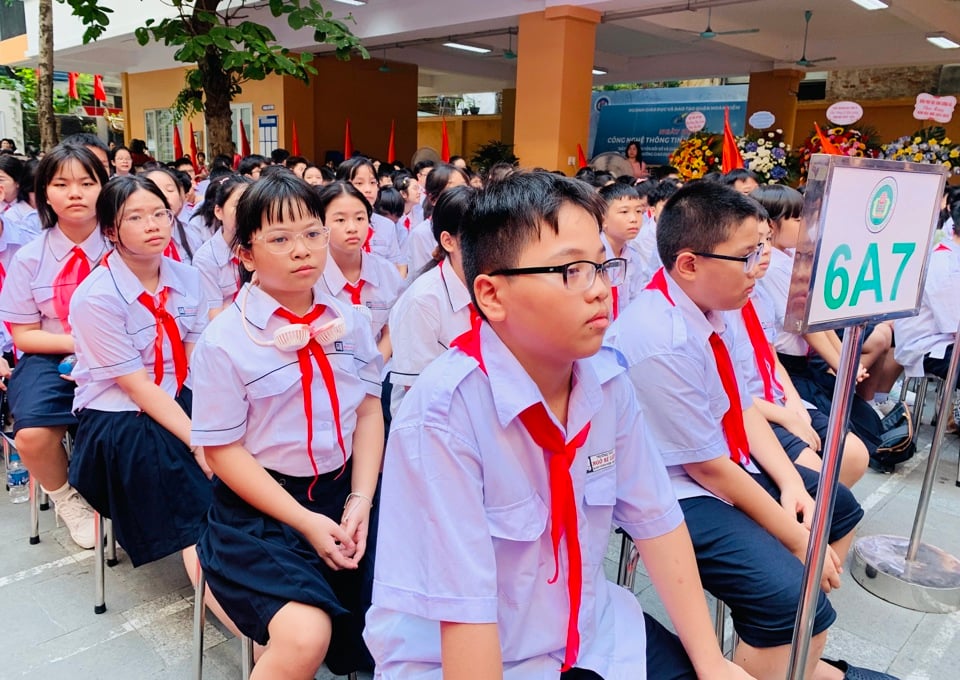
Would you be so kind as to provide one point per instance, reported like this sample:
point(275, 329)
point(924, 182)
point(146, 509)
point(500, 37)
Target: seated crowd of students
point(394, 414)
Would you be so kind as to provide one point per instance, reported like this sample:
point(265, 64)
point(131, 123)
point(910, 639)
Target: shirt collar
point(702, 324)
point(456, 291)
point(93, 247)
point(514, 390)
point(131, 288)
point(259, 307)
point(221, 251)
point(335, 279)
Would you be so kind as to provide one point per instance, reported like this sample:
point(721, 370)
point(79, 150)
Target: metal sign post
point(861, 259)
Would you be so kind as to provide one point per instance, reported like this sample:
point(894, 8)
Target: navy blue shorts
point(134, 471)
point(255, 565)
point(939, 367)
point(38, 396)
point(792, 444)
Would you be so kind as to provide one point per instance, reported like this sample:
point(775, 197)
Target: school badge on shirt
point(601, 461)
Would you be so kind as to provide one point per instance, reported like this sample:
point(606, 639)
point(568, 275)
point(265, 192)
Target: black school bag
point(898, 441)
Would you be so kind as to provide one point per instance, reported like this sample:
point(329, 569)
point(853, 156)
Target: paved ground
point(50, 630)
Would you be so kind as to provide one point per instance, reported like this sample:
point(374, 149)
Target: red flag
point(391, 146)
point(731, 158)
point(99, 94)
point(347, 142)
point(444, 142)
point(826, 146)
point(244, 142)
point(295, 142)
point(72, 85)
point(581, 157)
point(193, 150)
point(177, 143)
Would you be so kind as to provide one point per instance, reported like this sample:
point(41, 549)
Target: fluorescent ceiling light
point(355, 3)
point(597, 71)
point(942, 41)
point(873, 4)
point(467, 48)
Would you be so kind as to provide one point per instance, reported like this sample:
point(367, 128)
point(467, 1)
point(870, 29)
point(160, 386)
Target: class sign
point(869, 229)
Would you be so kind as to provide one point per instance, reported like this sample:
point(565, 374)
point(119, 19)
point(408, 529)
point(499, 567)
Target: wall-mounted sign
point(844, 113)
point(929, 107)
point(268, 107)
point(695, 121)
point(761, 120)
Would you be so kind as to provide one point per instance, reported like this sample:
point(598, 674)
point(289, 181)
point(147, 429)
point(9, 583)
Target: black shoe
point(857, 673)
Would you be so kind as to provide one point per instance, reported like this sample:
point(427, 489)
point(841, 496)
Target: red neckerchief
point(74, 271)
point(355, 291)
point(366, 241)
point(563, 505)
point(615, 293)
point(306, 380)
point(940, 248)
point(766, 365)
point(406, 222)
point(733, 428)
point(171, 251)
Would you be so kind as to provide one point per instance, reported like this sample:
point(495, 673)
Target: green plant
point(493, 152)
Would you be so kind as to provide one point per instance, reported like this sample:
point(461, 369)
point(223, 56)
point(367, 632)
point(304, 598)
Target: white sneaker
point(78, 516)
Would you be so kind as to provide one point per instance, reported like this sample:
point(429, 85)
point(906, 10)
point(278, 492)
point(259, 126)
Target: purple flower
point(778, 153)
point(778, 172)
point(750, 147)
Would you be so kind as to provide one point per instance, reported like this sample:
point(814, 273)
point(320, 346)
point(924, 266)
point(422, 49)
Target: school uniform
point(219, 270)
point(254, 395)
point(634, 281)
point(36, 290)
point(407, 222)
point(184, 243)
point(431, 313)
point(23, 216)
point(419, 248)
point(646, 246)
point(666, 341)
point(11, 240)
point(464, 520)
point(925, 342)
point(125, 464)
point(383, 241)
point(377, 289)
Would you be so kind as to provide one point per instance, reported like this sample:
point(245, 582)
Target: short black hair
point(340, 188)
point(738, 175)
point(250, 163)
point(507, 215)
point(350, 167)
point(278, 156)
point(87, 139)
point(63, 153)
point(699, 217)
point(389, 203)
point(278, 197)
point(438, 179)
point(421, 165)
point(450, 209)
point(183, 160)
point(616, 191)
point(114, 195)
point(662, 192)
point(781, 202)
point(292, 161)
point(12, 166)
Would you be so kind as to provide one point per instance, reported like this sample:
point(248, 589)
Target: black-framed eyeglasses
point(578, 275)
point(749, 261)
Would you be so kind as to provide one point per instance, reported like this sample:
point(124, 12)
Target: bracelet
point(357, 495)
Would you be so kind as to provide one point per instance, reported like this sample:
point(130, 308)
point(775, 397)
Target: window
point(12, 19)
point(159, 127)
point(242, 112)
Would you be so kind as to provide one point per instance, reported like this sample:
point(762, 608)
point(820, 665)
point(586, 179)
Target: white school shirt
point(671, 364)
point(741, 350)
point(115, 335)
point(27, 295)
point(634, 281)
point(646, 245)
point(407, 222)
point(11, 240)
point(384, 239)
point(464, 514)
point(25, 217)
point(192, 239)
point(220, 274)
point(776, 285)
point(935, 326)
point(430, 314)
point(383, 285)
point(252, 394)
point(419, 247)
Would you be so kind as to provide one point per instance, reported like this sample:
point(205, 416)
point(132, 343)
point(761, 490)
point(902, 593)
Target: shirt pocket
point(274, 383)
point(517, 530)
point(523, 521)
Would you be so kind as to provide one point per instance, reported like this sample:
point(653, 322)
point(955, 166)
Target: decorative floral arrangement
point(851, 141)
point(697, 155)
point(769, 157)
point(929, 145)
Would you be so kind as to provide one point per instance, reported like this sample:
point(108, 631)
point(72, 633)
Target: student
point(313, 176)
point(421, 242)
point(93, 144)
point(383, 240)
point(287, 385)
point(121, 161)
point(646, 241)
point(470, 583)
point(621, 224)
point(800, 427)
point(412, 214)
point(743, 520)
point(16, 183)
point(364, 280)
point(134, 321)
point(435, 309)
point(390, 205)
point(250, 166)
point(741, 180)
point(296, 164)
point(184, 243)
point(421, 170)
point(35, 302)
point(11, 240)
point(218, 264)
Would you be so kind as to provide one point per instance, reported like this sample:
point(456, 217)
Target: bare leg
point(42, 452)
point(299, 638)
point(770, 663)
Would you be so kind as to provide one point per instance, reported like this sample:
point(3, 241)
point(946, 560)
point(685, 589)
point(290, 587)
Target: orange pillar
point(776, 91)
point(554, 81)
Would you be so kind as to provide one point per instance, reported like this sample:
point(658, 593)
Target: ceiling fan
point(803, 61)
point(508, 53)
point(709, 34)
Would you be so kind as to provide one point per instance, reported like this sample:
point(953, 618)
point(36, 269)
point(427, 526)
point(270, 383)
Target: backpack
point(897, 440)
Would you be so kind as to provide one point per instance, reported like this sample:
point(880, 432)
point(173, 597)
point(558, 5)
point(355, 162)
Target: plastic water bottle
point(18, 479)
point(67, 364)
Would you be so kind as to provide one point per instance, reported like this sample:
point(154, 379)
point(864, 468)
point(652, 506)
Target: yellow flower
point(947, 164)
point(946, 141)
point(917, 140)
point(918, 157)
point(955, 153)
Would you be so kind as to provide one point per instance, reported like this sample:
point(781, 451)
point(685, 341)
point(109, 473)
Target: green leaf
point(143, 37)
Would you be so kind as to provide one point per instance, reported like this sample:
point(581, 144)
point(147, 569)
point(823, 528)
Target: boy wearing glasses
point(509, 460)
point(741, 496)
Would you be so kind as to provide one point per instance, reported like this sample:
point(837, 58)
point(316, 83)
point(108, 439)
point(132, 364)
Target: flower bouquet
point(851, 141)
point(697, 155)
point(769, 157)
point(929, 145)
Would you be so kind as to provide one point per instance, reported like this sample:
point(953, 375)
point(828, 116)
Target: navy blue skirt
point(255, 565)
point(38, 396)
point(134, 471)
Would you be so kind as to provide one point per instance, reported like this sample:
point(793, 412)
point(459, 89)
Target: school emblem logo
point(881, 204)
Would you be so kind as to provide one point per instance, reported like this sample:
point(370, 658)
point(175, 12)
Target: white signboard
point(695, 121)
point(761, 120)
point(929, 107)
point(867, 231)
point(844, 113)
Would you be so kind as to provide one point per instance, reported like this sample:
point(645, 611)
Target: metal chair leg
point(112, 560)
point(35, 492)
point(100, 605)
point(199, 621)
point(246, 657)
point(629, 558)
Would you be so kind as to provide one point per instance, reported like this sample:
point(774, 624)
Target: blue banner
point(656, 118)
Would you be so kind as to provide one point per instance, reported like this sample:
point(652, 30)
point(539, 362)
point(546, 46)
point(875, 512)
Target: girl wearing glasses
point(183, 243)
point(135, 321)
point(288, 412)
point(35, 301)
